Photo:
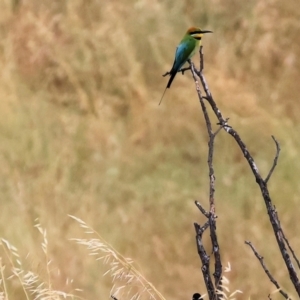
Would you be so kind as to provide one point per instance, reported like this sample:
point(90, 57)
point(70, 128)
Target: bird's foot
point(184, 69)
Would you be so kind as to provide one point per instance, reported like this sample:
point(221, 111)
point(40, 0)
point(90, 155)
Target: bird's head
point(197, 33)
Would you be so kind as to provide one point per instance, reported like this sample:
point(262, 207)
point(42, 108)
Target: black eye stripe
point(195, 32)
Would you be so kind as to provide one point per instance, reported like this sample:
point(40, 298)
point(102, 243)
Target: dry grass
point(82, 134)
point(18, 282)
point(127, 281)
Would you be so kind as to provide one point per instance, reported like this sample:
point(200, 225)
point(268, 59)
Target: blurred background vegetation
point(82, 134)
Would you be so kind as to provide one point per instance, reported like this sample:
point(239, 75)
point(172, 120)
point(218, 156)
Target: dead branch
point(261, 260)
point(275, 159)
point(271, 210)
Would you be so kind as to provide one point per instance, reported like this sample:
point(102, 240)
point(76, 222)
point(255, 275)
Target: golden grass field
point(82, 134)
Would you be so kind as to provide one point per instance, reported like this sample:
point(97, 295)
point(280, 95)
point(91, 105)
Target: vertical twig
point(212, 210)
point(205, 259)
point(275, 160)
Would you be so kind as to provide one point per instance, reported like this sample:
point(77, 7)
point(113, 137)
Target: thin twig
point(184, 69)
point(261, 260)
point(292, 250)
point(201, 59)
point(282, 235)
point(204, 212)
point(219, 129)
point(202, 228)
point(275, 159)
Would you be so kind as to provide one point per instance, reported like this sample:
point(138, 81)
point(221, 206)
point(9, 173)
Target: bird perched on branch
point(184, 51)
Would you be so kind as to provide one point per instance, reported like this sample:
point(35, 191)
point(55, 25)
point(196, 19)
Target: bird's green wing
point(183, 53)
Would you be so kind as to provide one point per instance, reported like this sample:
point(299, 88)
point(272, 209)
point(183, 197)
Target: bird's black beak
point(205, 31)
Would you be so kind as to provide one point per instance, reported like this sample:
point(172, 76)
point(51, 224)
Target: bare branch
point(182, 70)
point(204, 212)
point(202, 228)
point(271, 210)
point(261, 260)
point(201, 59)
point(274, 220)
point(216, 250)
point(275, 159)
point(205, 263)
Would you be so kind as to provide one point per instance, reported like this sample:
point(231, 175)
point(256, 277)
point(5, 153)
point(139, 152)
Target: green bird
point(184, 51)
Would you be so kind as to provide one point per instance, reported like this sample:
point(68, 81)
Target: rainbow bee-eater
point(184, 51)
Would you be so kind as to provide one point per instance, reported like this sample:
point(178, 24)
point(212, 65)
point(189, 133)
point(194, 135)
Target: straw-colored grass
point(18, 281)
point(127, 280)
